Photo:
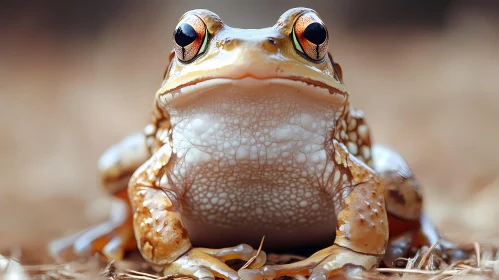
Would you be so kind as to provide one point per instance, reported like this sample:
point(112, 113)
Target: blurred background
point(77, 76)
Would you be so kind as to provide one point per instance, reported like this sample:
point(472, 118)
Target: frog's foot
point(114, 236)
point(205, 263)
point(319, 266)
point(111, 238)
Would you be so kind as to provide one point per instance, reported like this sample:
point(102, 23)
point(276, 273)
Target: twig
point(477, 252)
point(426, 255)
point(252, 259)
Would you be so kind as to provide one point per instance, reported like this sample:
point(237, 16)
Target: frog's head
point(292, 54)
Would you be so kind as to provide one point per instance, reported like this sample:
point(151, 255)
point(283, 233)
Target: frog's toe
point(322, 265)
point(111, 238)
point(206, 263)
point(328, 269)
point(201, 272)
point(123, 240)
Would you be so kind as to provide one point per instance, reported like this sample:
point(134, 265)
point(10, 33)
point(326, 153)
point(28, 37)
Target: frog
point(252, 136)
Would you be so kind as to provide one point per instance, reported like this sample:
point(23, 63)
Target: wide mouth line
point(310, 82)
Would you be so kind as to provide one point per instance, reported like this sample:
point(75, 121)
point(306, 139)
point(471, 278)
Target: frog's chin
point(252, 87)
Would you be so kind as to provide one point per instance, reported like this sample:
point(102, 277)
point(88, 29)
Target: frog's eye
point(190, 38)
point(310, 36)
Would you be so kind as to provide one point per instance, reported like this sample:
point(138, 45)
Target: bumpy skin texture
point(250, 138)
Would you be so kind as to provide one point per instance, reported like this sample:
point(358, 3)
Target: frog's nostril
point(269, 44)
point(271, 40)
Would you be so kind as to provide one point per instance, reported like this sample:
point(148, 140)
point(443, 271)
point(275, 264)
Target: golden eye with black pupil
point(310, 36)
point(190, 38)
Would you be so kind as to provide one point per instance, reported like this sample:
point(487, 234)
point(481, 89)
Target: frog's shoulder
point(353, 131)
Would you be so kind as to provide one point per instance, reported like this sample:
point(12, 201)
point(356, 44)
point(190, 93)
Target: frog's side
point(252, 135)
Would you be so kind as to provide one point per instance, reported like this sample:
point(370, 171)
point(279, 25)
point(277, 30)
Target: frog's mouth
point(250, 86)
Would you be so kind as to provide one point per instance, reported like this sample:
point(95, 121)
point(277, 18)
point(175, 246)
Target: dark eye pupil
point(185, 35)
point(315, 33)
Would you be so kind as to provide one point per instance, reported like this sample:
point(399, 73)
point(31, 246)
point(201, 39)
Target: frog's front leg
point(361, 229)
point(161, 236)
point(114, 236)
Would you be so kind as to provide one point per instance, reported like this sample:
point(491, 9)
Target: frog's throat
point(308, 88)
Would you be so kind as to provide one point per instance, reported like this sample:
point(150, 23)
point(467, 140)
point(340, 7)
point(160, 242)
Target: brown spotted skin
point(255, 137)
point(161, 236)
point(354, 133)
point(361, 213)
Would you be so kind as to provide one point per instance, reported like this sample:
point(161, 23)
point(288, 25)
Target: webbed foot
point(319, 266)
point(111, 238)
point(205, 263)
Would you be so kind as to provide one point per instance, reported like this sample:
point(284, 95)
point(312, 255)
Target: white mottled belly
point(252, 165)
